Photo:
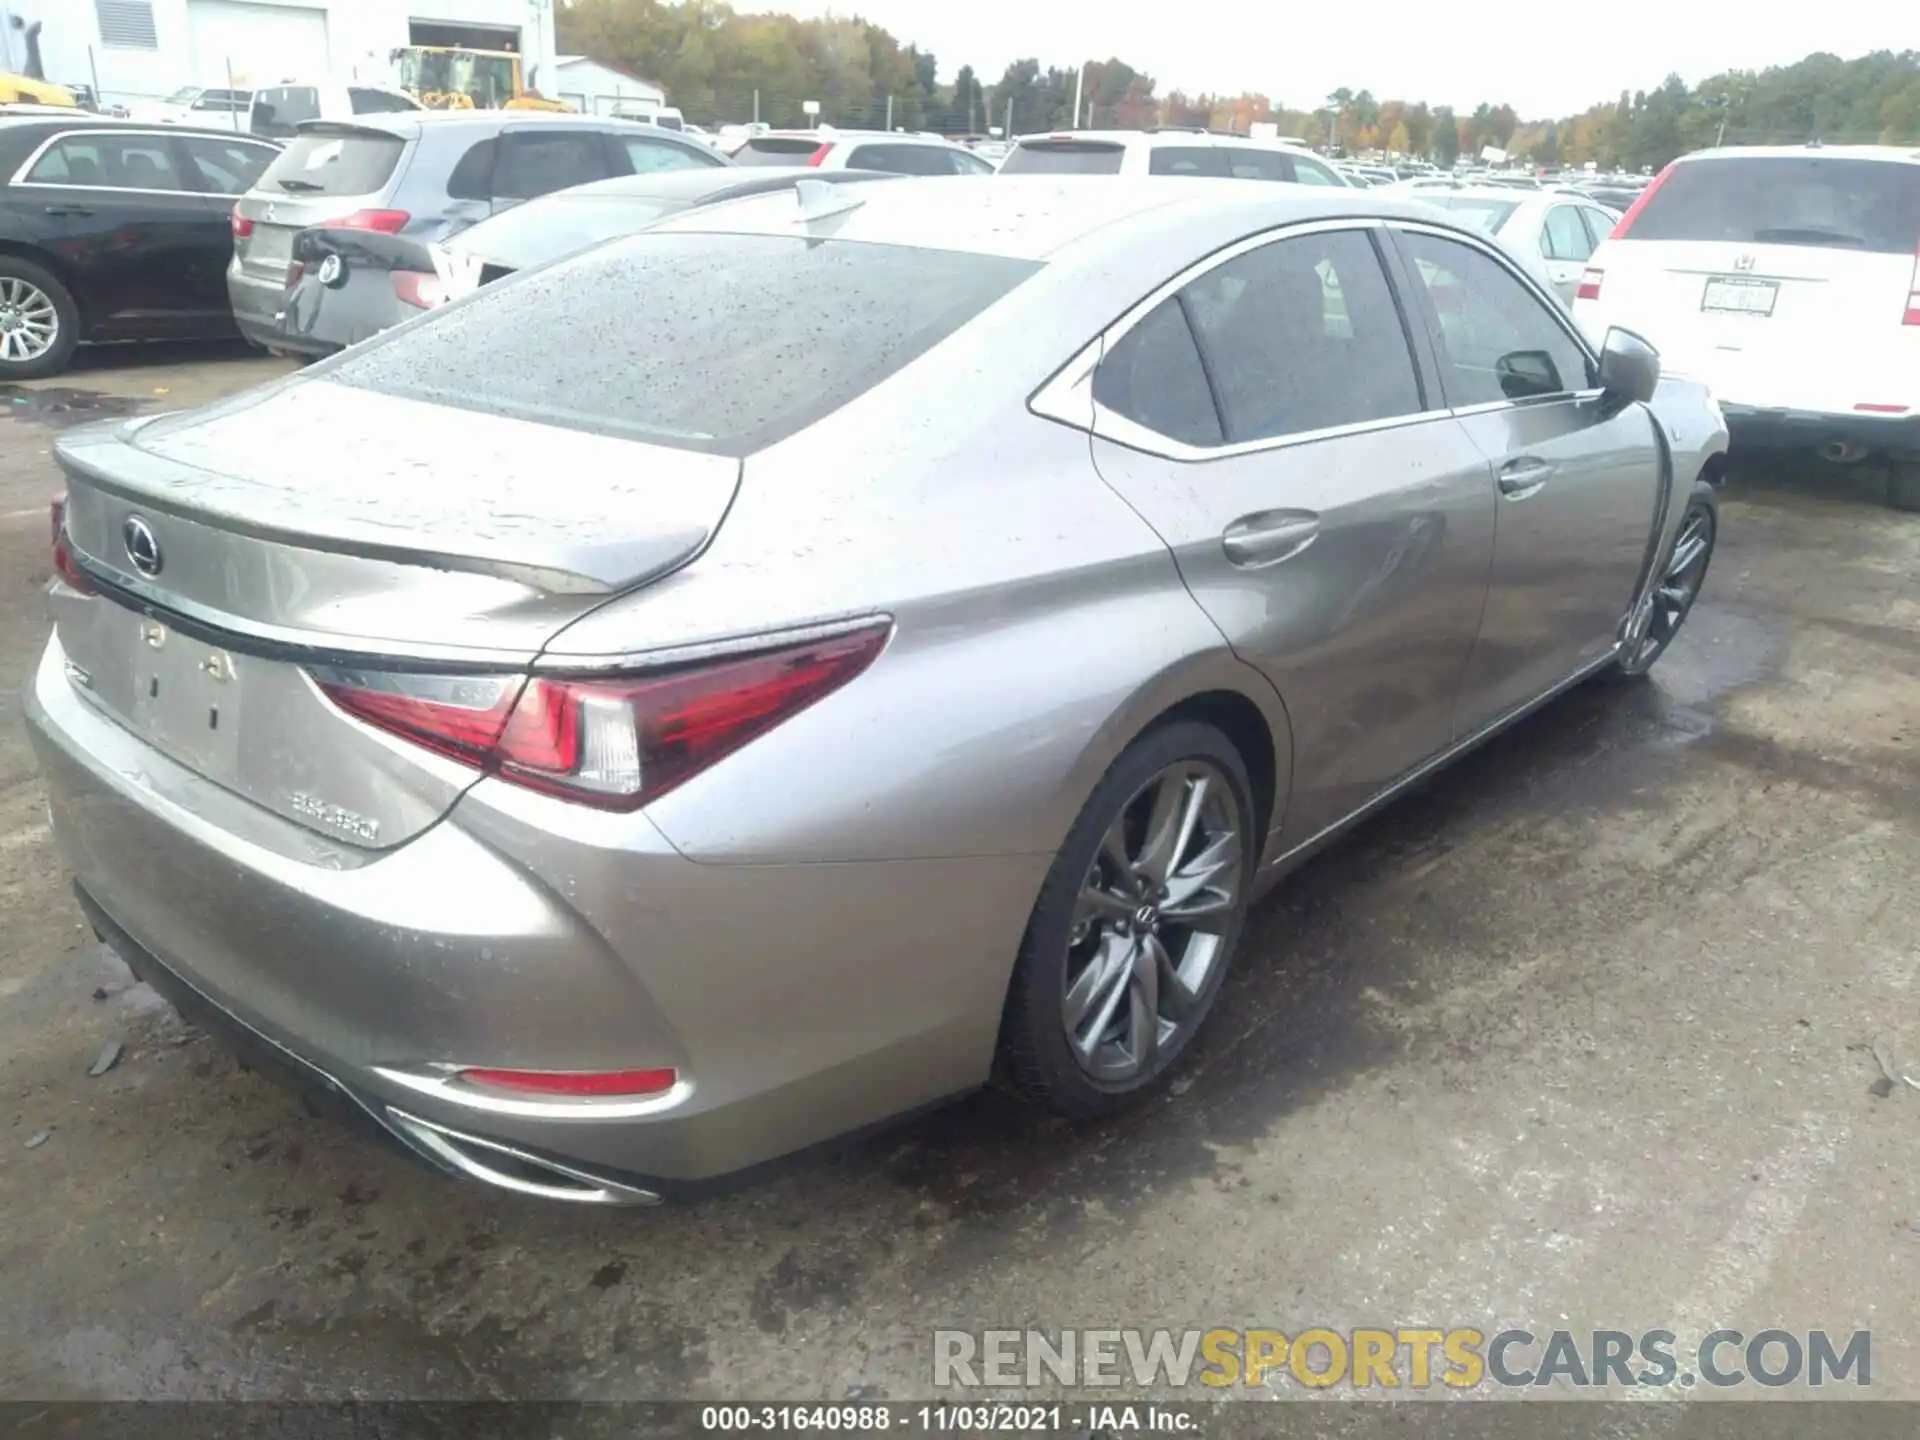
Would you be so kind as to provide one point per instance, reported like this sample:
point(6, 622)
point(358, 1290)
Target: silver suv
point(1166, 151)
point(425, 174)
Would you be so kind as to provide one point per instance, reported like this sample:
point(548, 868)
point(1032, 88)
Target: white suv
point(1788, 278)
point(828, 147)
point(1166, 151)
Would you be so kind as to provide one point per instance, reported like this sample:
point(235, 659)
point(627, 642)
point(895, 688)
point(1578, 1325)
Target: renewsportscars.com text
point(1404, 1358)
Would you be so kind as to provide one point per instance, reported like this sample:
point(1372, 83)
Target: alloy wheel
point(29, 324)
point(1664, 610)
point(1150, 925)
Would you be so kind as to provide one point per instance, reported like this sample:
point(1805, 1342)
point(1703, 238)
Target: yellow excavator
point(449, 77)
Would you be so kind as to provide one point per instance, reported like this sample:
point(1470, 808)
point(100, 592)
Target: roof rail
point(1176, 130)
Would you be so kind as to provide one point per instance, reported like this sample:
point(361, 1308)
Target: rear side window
point(1484, 215)
point(775, 150)
point(721, 343)
point(1154, 378)
point(538, 162)
point(1871, 205)
point(227, 167)
point(1251, 164)
point(1064, 157)
point(1303, 335)
point(1312, 172)
point(647, 155)
point(360, 163)
point(1187, 160)
point(277, 111)
point(901, 159)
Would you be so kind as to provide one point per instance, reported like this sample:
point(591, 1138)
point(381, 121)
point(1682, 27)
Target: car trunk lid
point(316, 524)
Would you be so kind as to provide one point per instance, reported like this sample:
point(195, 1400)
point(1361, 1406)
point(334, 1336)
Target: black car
point(346, 285)
point(113, 230)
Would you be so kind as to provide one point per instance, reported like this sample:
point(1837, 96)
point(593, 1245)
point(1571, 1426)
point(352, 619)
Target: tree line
point(722, 66)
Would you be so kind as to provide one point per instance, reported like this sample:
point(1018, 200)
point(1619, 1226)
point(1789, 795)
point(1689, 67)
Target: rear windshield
point(323, 164)
point(1487, 215)
point(776, 150)
point(721, 343)
point(1788, 200)
point(1063, 157)
point(277, 111)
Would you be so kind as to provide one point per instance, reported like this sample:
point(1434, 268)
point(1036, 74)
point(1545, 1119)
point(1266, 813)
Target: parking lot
point(1579, 1035)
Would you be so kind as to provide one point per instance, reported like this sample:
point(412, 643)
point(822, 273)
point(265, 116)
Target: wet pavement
point(1574, 1037)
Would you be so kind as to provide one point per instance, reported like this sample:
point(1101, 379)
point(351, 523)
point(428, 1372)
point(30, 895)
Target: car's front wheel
point(1135, 925)
point(1903, 485)
point(1683, 572)
point(39, 323)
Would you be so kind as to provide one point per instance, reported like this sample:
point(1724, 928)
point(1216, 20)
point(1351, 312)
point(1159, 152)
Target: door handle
point(1268, 536)
point(1520, 478)
point(68, 210)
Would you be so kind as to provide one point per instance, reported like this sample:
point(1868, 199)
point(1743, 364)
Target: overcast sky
point(1543, 59)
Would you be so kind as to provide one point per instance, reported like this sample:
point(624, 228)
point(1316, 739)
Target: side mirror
point(1629, 367)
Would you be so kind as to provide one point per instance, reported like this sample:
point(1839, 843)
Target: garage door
point(262, 43)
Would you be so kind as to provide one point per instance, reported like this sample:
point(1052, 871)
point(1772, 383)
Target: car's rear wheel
point(39, 323)
point(1903, 485)
point(1135, 925)
point(1683, 572)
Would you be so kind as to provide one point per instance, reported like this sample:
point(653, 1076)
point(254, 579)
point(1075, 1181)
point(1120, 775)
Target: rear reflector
point(614, 742)
point(575, 1084)
point(419, 290)
point(819, 156)
point(1640, 203)
point(1590, 284)
point(386, 222)
point(63, 565)
point(242, 226)
point(1868, 407)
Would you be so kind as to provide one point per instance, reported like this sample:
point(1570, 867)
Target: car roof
point(1163, 135)
point(828, 133)
point(406, 123)
point(1898, 154)
point(53, 119)
point(1032, 217)
point(707, 182)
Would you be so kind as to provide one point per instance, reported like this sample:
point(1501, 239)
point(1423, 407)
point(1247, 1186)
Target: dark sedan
point(112, 230)
point(346, 285)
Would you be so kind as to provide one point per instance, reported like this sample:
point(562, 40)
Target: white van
point(667, 117)
point(277, 110)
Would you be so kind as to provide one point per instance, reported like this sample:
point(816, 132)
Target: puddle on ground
point(62, 406)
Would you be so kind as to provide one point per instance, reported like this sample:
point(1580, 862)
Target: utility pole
point(1007, 134)
point(889, 114)
point(756, 105)
point(1079, 84)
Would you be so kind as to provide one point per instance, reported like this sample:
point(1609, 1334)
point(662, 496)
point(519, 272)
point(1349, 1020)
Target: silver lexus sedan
point(781, 670)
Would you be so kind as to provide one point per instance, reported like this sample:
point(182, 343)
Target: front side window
point(1563, 237)
point(647, 155)
point(1251, 164)
point(1312, 172)
point(1154, 377)
point(109, 162)
point(901, 159)
point(1497, 340)
point(1302, 335)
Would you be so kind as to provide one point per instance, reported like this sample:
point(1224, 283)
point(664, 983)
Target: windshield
point(1486, 215)
point(185, 95)
point(721, 343)
point(1871, 205)
point(543, 230)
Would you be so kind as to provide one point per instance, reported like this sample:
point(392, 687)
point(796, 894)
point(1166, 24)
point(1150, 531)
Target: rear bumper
point(798, 1003)
point(1762, 427)
point(256, 311)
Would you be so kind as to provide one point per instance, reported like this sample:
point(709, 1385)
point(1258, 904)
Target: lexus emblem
point(143, 548)
point(1744, 262)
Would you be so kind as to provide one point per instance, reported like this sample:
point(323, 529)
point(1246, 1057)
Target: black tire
point(1035, 1059)
point(1903, 484)
point(66, 337)
point(1637, 658)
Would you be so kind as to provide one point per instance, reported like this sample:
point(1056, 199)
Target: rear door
point(327, 171)
point(1576, 481)
point(1738, 268)
point(144, 252)
point(1269, 420)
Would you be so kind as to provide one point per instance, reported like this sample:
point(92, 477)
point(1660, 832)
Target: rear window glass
point(775, 150)
point(1064, 157)
point(322, 164)
point(1788, 200)
point(277, 111)
point(1484, 215)
point(721, 343)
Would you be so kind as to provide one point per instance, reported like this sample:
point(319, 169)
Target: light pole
point(1079, 85)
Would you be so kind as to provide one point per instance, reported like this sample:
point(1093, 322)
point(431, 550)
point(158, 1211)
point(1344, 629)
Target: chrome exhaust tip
point(507, 1168)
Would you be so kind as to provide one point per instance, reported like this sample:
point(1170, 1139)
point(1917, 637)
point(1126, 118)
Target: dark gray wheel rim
point(1150, 927)
point(1665, 610)
point(29, 324)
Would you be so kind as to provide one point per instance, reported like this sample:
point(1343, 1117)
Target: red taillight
point(419, 290)
point(63, 566)
point(295, 269)
point(575, 1084)
point(242, 226)
point(1590, 284)
point(1869, 407)
point(819, 157)
point(386, 222)
point(617, 743)
point(1912, 317)
point(1640, 202)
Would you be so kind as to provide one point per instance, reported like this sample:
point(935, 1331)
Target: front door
point(1270, 422)
point(1576, 479)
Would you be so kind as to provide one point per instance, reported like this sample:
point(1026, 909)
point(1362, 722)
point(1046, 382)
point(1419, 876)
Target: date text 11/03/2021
point(962, 1418)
